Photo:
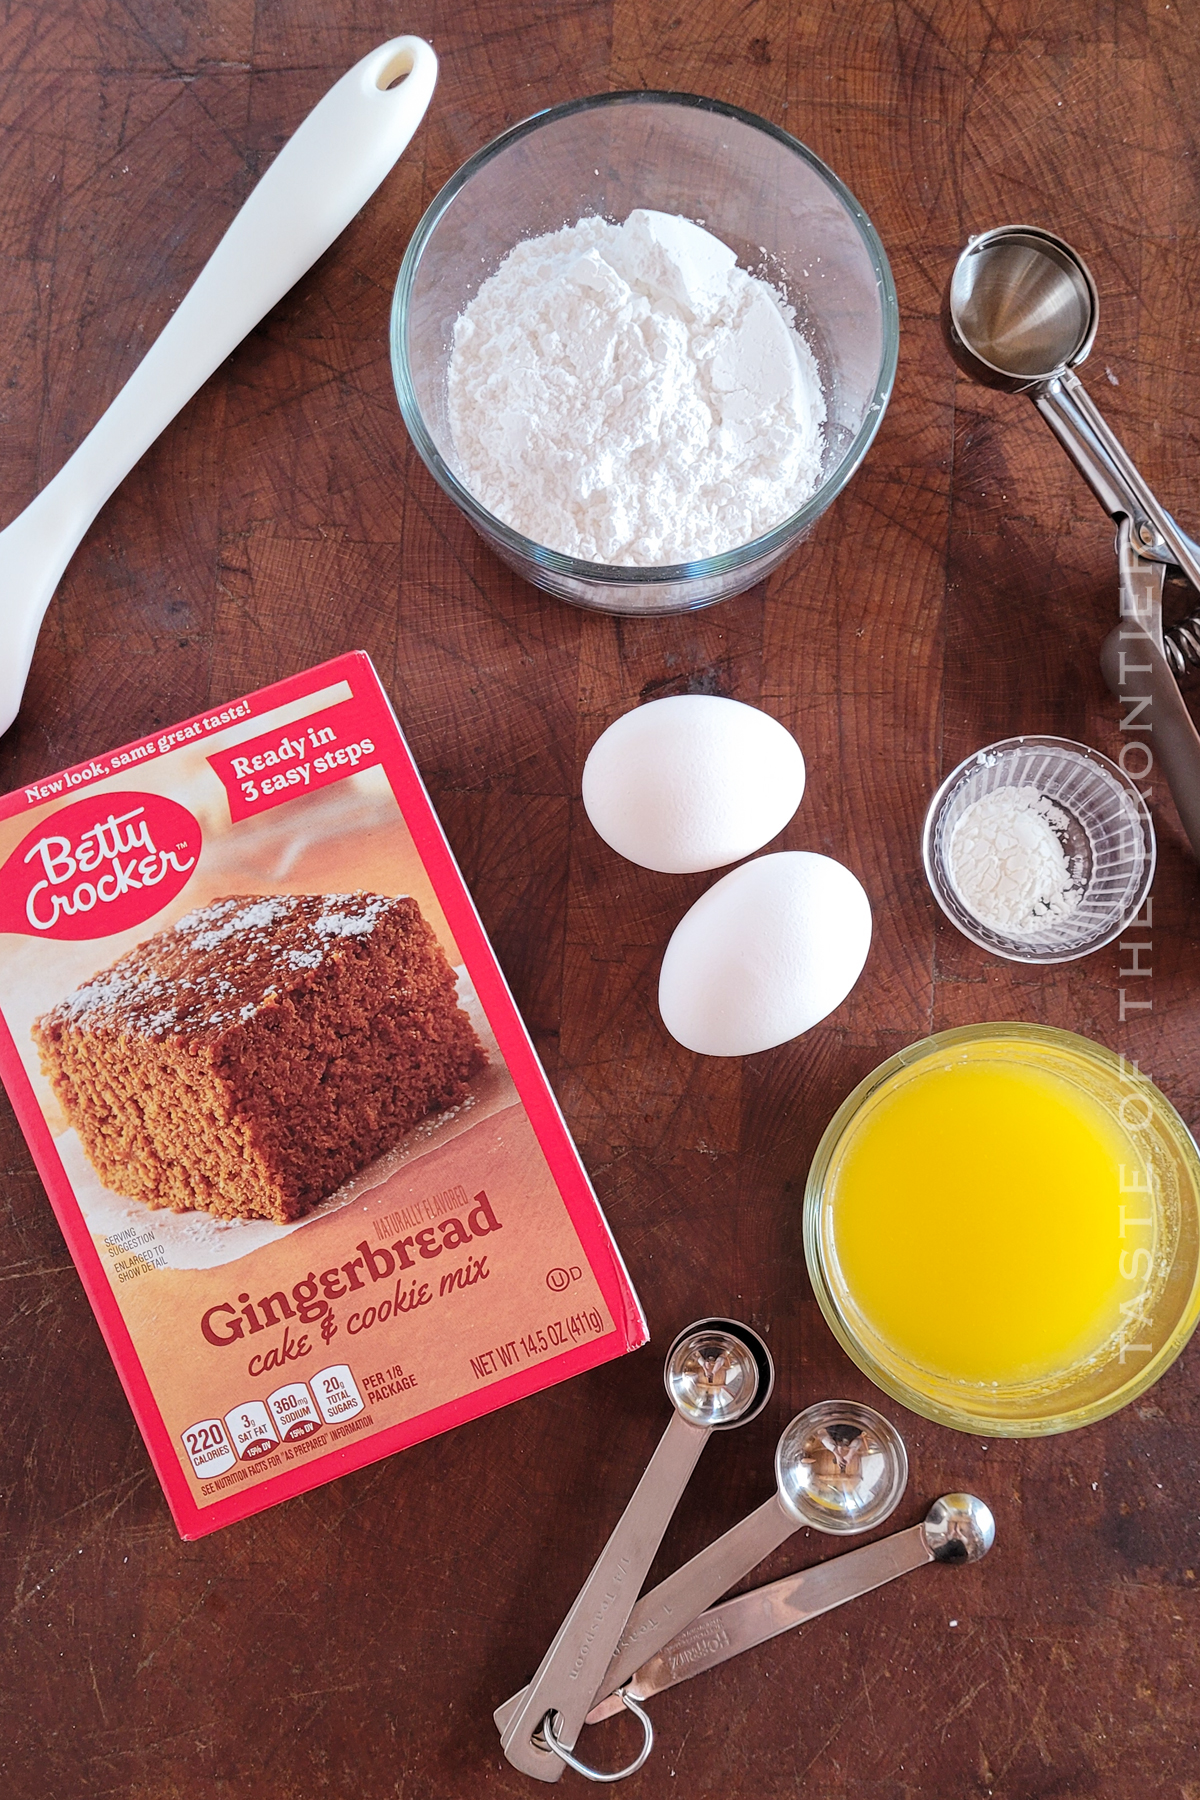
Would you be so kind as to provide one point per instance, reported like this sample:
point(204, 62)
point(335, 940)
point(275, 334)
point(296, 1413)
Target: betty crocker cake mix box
point(307, 1163)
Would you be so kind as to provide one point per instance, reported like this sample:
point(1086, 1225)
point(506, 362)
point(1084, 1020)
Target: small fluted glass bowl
point(1163, 1211)
point(787, 217)
point(1107, 838)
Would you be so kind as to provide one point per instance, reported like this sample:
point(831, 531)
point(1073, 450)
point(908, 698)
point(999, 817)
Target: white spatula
point(320, 179)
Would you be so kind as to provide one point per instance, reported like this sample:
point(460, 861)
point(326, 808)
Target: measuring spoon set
point(840, 1468)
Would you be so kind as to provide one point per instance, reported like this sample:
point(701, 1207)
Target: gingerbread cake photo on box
point(244, 1062)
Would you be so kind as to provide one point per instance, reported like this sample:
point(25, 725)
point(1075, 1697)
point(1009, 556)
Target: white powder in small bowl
point(625, 394)
point(1007, 863)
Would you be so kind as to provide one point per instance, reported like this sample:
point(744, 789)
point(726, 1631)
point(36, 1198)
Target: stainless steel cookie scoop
point(718, 1374)
point(1020, 313)
point(958, 1529)
point(323, 175)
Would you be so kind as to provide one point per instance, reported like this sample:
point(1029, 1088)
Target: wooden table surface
point(354, 1641)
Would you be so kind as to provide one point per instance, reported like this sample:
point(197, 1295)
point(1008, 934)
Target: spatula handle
point(323, 175)
point(311, 191)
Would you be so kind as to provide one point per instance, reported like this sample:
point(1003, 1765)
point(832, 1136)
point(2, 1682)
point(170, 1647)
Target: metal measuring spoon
point(718, 1374)
point(839, 1467)
point(1020, 313)
point(958, 1529)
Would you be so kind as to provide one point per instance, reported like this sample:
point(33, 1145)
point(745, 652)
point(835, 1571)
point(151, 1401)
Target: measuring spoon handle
point(662, 1614)
point(751, 1619)
point(566, 1682)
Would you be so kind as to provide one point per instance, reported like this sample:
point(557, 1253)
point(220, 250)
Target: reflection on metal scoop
point(959, 1528)
point(1023, 308)
point(839, 1468)
point(1020, 313)
point(718, 1374)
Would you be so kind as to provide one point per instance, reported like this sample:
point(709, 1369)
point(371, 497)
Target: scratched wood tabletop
point(354, 1641)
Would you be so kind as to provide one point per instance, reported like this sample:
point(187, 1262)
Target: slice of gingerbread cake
point(247, 1061)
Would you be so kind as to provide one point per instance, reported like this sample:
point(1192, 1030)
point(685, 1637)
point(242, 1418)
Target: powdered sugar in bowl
point(664, 163)
point(1039, 849)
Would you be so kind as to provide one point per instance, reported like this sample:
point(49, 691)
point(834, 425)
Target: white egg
point(692, 782)
point(769, 950)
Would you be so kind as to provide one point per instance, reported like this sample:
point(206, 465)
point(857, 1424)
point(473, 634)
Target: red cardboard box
point(465, 1266)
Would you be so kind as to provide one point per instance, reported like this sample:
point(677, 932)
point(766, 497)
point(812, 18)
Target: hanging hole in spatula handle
point(399, 60)
point(585, 1769)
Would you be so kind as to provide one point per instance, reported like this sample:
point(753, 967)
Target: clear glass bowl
point(1081, 1395)
point(785, 214)
point(1108, 842)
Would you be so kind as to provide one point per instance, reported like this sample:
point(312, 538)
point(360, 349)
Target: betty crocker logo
point(98, 867)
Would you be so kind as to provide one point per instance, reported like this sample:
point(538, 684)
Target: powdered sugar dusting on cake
point(303, 959)
point(104, 993)
point(258, 917)
point(341, 923)
point(199, 970)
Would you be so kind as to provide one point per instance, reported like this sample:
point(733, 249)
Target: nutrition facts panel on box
point(255, 1428)
point(337, 1394)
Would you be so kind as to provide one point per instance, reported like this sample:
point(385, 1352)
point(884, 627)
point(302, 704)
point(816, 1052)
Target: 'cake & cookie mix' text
point(310, 1170)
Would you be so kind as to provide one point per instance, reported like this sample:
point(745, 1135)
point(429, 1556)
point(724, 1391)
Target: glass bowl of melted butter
point(643, 341)
point(1002, 1228)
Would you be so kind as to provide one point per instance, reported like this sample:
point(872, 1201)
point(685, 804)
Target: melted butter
point(976, 1219)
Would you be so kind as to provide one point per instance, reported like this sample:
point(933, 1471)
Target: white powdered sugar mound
point(1006, 860)
point(626, 394)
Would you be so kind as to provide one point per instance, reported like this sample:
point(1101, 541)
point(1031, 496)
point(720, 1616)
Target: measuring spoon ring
point(718, 1374)
point(839, 1467)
